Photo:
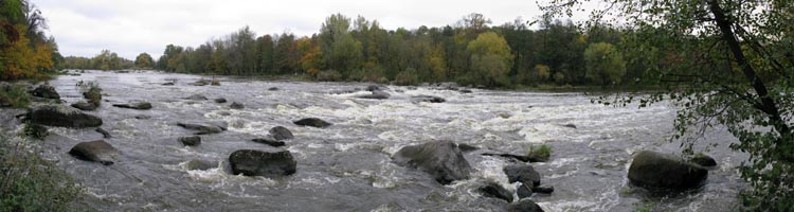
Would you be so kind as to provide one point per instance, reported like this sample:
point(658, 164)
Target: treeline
point(105, 60)
point(471, 52)
point(25, 51)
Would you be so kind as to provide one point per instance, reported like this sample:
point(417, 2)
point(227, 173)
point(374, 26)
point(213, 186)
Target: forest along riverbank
point(174, 142)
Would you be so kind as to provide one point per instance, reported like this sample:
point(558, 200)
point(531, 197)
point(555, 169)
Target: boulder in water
point(201, 128)
point(657, 170)
point(703, 160)
point(443, 160)
point(200, 165)
point(220, 100)
point(168, 84)
point(427, 98)
point(494, 190)
point(524, 191)
point(84, 106)
point(522, 173)
point(237, 105)
point(45, 91)
point(137, 105)
point(269, 141)
point(62, 116)
point(281, 133)
point(272, 89)
point(376, 94)
point(258, 163)
point(312, 122)
point(196, 97)
point(97, 151)
point(190, 141)
point(105, 133)
point(524, 205)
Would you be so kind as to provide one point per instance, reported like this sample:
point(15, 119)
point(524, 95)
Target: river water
point(347, 167)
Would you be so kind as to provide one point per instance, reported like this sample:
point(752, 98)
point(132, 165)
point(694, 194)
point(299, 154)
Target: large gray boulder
point(312, 122)
point(97, 151)
point(202, 129)
point(62, 116)
point(657, 170)
point(45, 91)
point(281, 133)
point(522, 173)
point(441, 159)
point(258, 163)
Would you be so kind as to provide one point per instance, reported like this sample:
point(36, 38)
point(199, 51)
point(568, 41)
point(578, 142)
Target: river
point(348, 167)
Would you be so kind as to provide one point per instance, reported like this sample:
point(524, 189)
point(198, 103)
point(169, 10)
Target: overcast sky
point(129, 27)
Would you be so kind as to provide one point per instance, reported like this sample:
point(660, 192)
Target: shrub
point(35, 131)
point(540, 152)
point(31, 183)
point(14, 96)
point(91, 91)
point(407, 77)
point(329, 75)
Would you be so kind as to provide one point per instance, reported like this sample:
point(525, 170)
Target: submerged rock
point(524, 191)
point(137, 105)
point(258, 163)
point(494, 190)
point(203, 129)
point(196, 97)
point(269, 141)
point(237, 105)
point(281, 133)
point(200, 165)
point(524, 205)
point(97, 151)
point(312, 122)
point(573, 126)
point(168, 84)
point(190, 141)
point(62, 116)
point(427, 98)
point(84, 106)
point(45, 91)
point(105, 133)
point(657, 170)
point(443, 160)
point(220, 100)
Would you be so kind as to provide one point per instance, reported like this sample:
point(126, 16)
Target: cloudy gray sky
point(84, 27)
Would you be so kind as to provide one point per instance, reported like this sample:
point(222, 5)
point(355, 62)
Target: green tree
point(144, 60)
point(605, 64)
point(491, 59)
point(735, 59)
point(339, 49)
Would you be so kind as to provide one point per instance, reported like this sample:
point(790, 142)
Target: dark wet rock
point(465, 91)
point(281, 133)
point(524, 205)
point(543, 190)
point(190, 141)
point(220, 100)
point(201, 128)
point(97, 151)
point(236, 105)
point(376, 88)
point(105, 133)
point(657, 170)
point(269, 141)
point(494, 190)
point(376, 94)
point(703, 160)
point(522, 158)
point(142, 117)
point(224, 113)
point(200, 165)
point(522, 173)
point(168, 84)
point(62, 116)
point(312, 122)
point(443, 160)
point(467, 147)
point(45, 91)
point(426, 98)
point(524, 191)
point(84, 106)
point(272, 89)
point(196, 97)
point(137, 105)
point(570, 126)
point(258, 163)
